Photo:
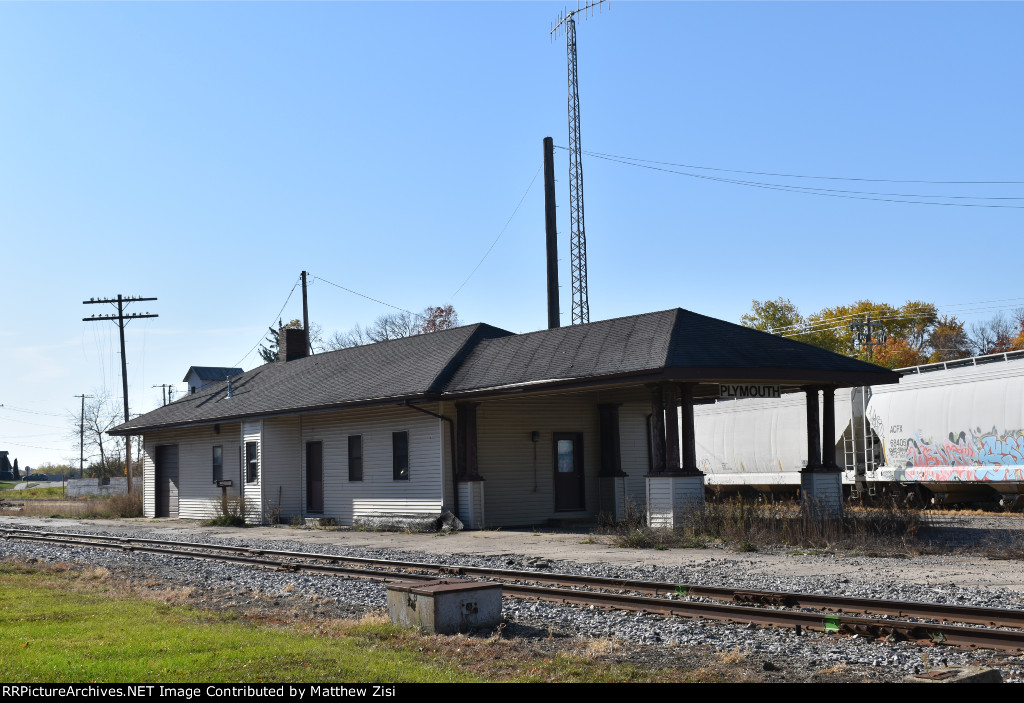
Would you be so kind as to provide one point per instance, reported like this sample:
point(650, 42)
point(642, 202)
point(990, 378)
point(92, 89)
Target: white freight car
point(951, 431)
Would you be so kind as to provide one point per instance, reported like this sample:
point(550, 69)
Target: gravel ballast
point(786, 654)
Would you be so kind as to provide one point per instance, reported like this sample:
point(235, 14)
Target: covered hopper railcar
point(949, 432)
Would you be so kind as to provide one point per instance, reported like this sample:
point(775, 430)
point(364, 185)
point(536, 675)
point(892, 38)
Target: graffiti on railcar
point(973, 455)
point(1002, 451)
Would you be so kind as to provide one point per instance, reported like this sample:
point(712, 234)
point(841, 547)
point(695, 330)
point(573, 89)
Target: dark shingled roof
point(669, 345)
point(387, 371)
point(672, 344)
point(212, 373)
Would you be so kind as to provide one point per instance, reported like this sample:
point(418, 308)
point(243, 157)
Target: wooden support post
point(828, 429)
point(657, 430)
point(813, 430)
point(689, 435)
point(671, 401)
point(468, 469)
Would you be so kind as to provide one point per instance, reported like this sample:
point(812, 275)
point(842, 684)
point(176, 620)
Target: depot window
point(355, 458)
point(218, 463)
point(400, 456)
point(252, 461)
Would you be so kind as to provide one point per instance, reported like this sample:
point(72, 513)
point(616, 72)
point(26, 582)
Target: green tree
point(17, 473)
point(270, 351)
point(779, 316)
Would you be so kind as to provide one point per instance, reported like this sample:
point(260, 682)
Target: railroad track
point(923, 622)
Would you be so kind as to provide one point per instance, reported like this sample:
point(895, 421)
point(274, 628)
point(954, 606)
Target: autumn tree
point(999, 334)
point(896, 353)
point(948, 340)
point(396, 326)
point(437, 318)
point(905, 329)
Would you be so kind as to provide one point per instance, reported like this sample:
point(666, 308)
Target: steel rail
point(971, 637)
point(975, 615)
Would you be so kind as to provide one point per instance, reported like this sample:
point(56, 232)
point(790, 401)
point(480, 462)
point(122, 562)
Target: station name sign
point(748, 391)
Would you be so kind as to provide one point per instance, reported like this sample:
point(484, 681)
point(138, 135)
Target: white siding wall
point(634, 449)
point(197, 495)
point(281, 467)
point(378, 493)
point(506, 456)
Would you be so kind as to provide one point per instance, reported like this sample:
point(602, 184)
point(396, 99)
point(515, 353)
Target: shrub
point(228, 513)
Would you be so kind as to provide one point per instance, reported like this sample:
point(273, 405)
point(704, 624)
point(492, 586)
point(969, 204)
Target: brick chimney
point(291, 344)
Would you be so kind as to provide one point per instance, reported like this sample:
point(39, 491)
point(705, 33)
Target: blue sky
point(206, 153)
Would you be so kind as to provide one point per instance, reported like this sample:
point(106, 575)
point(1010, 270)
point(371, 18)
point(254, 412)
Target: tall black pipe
point(551, 229)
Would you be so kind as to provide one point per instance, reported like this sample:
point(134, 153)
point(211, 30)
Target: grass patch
point(34, 493)
point(53, 635)
point(64, 624)
point(744, 524)
point(116, 506)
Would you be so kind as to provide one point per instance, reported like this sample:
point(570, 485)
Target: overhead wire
point(363, 295)
point(276, 317)
point(507, 222)
point(793, 175)
point(824, 192)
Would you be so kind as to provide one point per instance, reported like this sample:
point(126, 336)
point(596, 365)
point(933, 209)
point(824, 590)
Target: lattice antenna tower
point(577, 230)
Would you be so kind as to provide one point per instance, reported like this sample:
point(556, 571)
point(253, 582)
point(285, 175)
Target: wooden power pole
point(121, 319)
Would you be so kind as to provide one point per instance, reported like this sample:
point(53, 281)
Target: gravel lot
point(762, 654)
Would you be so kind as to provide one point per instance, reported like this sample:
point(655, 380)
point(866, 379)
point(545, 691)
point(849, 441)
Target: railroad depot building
point(501, 429)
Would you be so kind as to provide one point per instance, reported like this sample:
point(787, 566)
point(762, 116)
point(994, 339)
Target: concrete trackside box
point(444, 606)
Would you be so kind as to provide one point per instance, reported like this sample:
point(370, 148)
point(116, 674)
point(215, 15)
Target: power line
point(276, 317)
point(32, 446)
point(30, 412)
point(823, 192)
point(792, 175)
point(363, 295)
point(507, 222)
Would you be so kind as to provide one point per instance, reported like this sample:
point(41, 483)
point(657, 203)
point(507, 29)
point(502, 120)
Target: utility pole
point(577, 231)
point(121, 319)
point(163, 388)
point(81, 437)
point(869, 335)
point(305, 317)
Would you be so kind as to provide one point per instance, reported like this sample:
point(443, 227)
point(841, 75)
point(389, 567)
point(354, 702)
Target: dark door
point(315, 477)
point(569, 471)
point(166, 494)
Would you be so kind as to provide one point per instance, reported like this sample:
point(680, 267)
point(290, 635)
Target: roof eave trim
point(122, 431)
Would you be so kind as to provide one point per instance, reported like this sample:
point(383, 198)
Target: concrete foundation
point(670, 498)
point(446, 606)
point(821, 494)
point(471, 504)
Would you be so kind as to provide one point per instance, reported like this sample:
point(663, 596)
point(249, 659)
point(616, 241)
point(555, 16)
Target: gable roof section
point(399, 369)
point(671, 344)
point(212, 373)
